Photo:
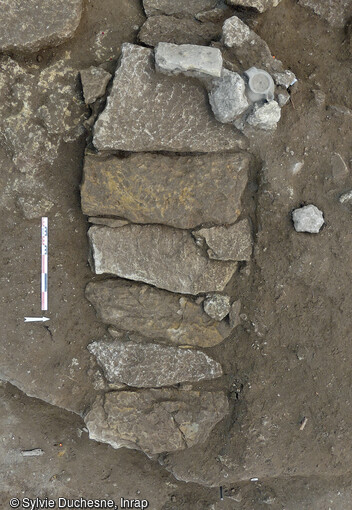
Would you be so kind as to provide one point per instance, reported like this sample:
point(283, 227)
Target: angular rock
point(336, 12)
point(283, 96)
point(188, 59)
point(178, 31)
point(265, 116)
point(346, 198)
point(152, 365)
point(259, 5)
point(233, 242)
point(94, 81)
point(284, 79)
point(308, 219)
point(146, 112)
point(227, 97)
point(217, 306)
point(236, 32)
point(35, 24)
point(154, 313)
point(156, 420)
point(109, 222)
point(181, 7)
point(162, 256)
point(181, 191)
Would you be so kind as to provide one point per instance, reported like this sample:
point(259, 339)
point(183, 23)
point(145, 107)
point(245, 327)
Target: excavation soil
point(289, 359)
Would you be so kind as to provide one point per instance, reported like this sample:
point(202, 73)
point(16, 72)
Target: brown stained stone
point(34, 24)
point(154, 313)
point(152, 365)
point(180, 191)
point(232, 242)
point(148, 111)
point(178, 31)
point(155, 420)
point(162, 256)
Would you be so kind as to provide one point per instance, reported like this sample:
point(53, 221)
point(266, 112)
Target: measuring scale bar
point(44, 275)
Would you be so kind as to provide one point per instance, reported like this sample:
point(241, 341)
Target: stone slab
point(146, 111)
point(152, 365)
point(180, 191)
point(34, 24)
point(155, 420)
point(162, 256)
point(155, 314)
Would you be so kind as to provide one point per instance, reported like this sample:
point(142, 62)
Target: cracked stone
point(217, 306)
point(227, 97)
point(162, 256)
point(178, 31)
point(156, 314)
point(308, 219)
point(152, 365)
point(180, 191)
point(233, 242)
point(181, 7)
point(146, 112)
point(155, 420)
point(35, 24)
point(94, 81)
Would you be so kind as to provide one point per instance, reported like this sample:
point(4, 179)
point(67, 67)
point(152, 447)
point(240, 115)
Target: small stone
point(94, 81)
point(283, 96)
point(181, 7)
point(34, 24)
point(233, 242)
point(234, 315)
point(109, 222)
point(178, 31)
point(340, 170)
point(188, 59)
point(152, 364)
point(346, 198)
point(162, 256)
point(235, 32)
point(217, 306)
point(140, 309)
point(227, 97)
point(155, 420)
point(260, 5)
point(34, 208)
point(308, 219)
point(265, 116)
point(284, 79)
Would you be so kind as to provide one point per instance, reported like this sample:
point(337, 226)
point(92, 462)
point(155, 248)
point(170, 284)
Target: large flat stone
point(178, 31)
point(154, 313)
point(152, 365)
point(33, 24)
point(181, 191)
point(181, 7)
point(147, 111)
point(155, 420)
point(336, 12)
point(162, 256)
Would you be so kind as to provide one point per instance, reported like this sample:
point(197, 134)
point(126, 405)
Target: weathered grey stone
point(94, 81)
point(162, 256)
point(308, 219)
point(346, 198)
point(217, 306)
point(234, 315)
point(283, 96)
point(233, 242)
point(264, 116)
point(236, 32)
point(188, 59)
point(181, 7)
point(152, 365)
point(219, 13)
point(260, 5)
point(146, 111)
point(227, 97)
point(154, 313)
point(336, 12)
point(156, 420)
point(33, 24)
point(181, 191)
point(109, 222)
point(284, 79)
point(178, 31)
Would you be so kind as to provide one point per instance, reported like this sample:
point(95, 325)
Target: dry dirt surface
point(287, 374)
